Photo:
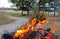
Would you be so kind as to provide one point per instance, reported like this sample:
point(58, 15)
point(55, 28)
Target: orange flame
point(54, 27)
point(33, 23)
point(41, 23)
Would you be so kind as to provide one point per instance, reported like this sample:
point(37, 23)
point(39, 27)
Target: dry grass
point(4, 19)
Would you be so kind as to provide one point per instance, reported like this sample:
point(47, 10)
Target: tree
point(57, 6)
point(42, 3)
point(22, 5)
point(29, 4)
point(53, 6)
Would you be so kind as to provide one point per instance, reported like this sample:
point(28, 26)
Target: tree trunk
point(28, 12)
point(59, 14)
point(22, 13)
point(54, 13)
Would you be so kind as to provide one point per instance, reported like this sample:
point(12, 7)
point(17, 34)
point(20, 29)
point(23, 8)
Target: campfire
point(34, 30)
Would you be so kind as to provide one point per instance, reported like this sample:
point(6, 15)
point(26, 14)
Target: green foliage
point(20, 3)
point(29, 4)
point(39, 17)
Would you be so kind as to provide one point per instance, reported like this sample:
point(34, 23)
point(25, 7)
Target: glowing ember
point(50, 36)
